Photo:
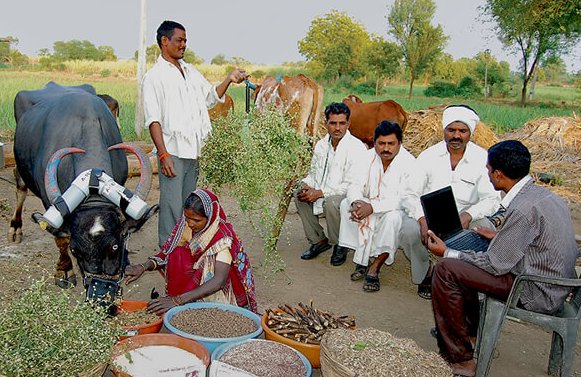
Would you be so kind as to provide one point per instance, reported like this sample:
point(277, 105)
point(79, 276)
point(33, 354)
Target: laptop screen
point(441, 212)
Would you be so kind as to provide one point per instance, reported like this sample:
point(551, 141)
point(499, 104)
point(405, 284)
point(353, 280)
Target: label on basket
point(220, 369)
point(189, 371)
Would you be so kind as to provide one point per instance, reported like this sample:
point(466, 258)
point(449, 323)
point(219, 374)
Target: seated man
point(322, 191)
point(371, 215)
point(536, 237)
point(456, 162)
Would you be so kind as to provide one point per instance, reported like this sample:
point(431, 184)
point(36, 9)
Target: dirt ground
point(523, 349)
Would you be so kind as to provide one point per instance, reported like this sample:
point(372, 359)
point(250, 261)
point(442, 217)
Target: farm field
point(501, 115)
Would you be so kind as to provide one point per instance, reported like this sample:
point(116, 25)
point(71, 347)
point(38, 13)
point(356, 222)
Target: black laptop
point(443, 219)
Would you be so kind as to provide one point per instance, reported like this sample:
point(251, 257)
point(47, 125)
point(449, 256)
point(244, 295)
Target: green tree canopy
point(152, 53)
point(334, 44)
point(219, 59)
point(81, 50)
point(382, 58)
point(5, 48)
point(409, 22)
point(535, 28)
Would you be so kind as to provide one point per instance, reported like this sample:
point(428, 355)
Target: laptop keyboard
point(468, 241)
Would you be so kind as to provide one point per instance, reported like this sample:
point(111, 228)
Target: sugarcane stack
point(304, 323)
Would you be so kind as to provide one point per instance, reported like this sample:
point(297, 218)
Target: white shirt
point(331, 170)
point(180, 104)
point(471, 186)
point(384, 190)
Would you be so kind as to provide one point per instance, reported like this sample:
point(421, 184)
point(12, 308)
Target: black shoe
point(315, 250)
point(339, 255)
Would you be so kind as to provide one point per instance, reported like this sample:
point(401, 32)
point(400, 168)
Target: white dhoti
point(375, 235)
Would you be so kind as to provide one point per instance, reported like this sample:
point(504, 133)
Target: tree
point(5, 48)
point(152, 53)
point(219, 59)
point(334, 44)
point(420, 42)
point(535, 28)
point(553, 70)
point(383, 58)
point(81, 50)
point(192, 58)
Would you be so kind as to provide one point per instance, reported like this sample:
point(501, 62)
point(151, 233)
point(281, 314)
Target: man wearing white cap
point(456, 162)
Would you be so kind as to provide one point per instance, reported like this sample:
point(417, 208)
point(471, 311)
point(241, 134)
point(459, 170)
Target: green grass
point(502, 115)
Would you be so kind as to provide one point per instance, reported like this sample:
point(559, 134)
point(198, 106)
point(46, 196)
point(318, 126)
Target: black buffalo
point(52, 123)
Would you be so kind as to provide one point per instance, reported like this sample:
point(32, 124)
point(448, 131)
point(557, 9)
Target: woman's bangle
point(163, 155)
point(177, 300)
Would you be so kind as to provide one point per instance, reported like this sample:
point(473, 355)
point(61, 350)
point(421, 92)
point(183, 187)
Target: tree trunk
point(376, 81)
point(283, 204)
point(411, 85)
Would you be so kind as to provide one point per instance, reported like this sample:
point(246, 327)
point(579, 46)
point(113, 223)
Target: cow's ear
point(131, 226)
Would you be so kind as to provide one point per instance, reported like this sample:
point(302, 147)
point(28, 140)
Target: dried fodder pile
point(424, 129)
point(555, 146)
point(371, 352)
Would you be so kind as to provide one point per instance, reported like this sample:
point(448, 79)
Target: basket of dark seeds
point(213, 324)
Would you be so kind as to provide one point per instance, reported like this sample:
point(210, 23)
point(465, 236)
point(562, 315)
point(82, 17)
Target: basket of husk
point(371, 352)
point(424, 129)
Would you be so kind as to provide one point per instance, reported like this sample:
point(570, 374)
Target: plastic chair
point(564, 324)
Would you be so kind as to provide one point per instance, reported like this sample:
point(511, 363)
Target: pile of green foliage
point(45, 332)
point(466, 88)
point(259, 157)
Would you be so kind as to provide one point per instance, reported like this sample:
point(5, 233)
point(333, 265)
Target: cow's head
point(352, 98)
point(103, 221)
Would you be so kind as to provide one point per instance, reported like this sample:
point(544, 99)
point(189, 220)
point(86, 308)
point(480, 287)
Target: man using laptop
point(372, 213)
point(536, 237)
point(455, 162)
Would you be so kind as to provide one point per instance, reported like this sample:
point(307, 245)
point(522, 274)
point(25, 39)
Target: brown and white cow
point(222, 108)
point(300, 96)
point(366, 116)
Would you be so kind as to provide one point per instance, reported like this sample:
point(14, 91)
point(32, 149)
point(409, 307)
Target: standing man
point(322, 191)
point(372, 213)
point(537, 237)
point(176, 98)
point(456, 162)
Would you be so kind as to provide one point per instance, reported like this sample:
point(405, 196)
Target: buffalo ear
point(131, 226)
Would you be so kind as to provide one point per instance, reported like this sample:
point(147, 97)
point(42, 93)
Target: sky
point(261, 31)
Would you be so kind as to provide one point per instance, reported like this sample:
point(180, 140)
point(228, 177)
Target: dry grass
point(424, 129)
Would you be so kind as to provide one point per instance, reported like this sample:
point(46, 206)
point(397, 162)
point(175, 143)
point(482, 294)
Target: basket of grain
point(258, 357)
point(212, 324)
point(135, 320)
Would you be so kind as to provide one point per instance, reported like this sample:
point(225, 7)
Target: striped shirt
point(537, 238)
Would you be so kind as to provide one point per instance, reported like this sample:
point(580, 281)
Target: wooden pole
point(141, 65)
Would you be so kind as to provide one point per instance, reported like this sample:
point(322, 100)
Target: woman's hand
point(160, 305)
point(133, 272)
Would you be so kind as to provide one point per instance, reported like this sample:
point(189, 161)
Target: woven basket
point(331, 367)
point(97, 371)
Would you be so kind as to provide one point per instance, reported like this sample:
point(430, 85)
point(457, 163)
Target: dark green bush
point(440, 89)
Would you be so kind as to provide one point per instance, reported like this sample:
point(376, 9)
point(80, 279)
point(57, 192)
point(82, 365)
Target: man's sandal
point(371, 283)
point(359, 273)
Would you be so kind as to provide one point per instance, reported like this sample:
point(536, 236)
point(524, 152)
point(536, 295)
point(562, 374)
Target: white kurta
point(332, 170)
point(180, 104)
point(470, 183)
point(386, 191)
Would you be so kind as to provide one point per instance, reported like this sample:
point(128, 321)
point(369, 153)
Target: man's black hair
point(337, 108)
point(387, 128)
point(511, 157)
point(166, 30)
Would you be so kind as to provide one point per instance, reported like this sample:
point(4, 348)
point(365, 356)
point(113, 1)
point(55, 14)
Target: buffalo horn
point(144, 185)
point(50, 175)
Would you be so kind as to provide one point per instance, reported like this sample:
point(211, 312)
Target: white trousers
point(377, 234)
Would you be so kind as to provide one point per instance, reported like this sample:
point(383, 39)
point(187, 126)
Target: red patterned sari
point(188, 266)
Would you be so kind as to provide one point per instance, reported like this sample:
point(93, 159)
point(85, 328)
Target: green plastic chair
point(564, 324)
